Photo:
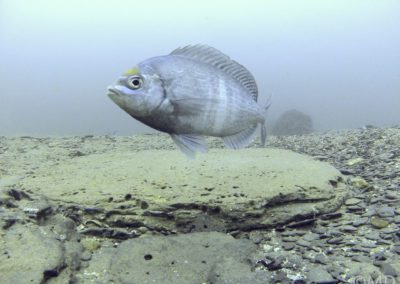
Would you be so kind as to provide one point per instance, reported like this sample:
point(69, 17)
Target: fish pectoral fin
point(189, 144)
point(241, 139)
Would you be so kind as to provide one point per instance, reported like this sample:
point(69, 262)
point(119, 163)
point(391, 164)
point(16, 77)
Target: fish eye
point(135, 82)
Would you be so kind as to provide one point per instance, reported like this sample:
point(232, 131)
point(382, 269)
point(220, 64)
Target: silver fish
point(194, 91)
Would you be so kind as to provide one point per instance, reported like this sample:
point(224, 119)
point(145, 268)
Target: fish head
point(138, 92)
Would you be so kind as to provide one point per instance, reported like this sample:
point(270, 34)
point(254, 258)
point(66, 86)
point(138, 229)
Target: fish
point(193, 92)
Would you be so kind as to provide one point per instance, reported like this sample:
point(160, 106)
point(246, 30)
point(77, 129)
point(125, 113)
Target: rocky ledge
point(133, 210)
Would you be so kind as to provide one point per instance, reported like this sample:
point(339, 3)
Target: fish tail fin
point(263, 126)
point(268, 103)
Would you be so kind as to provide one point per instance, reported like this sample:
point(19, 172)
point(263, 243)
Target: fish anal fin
point(241, 139)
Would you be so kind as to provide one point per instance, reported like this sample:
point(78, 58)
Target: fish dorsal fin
point(210, 55)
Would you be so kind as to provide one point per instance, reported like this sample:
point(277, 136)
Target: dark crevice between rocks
point(109, 233)
point(18, 195)
point(51, 273)
point(283, 199)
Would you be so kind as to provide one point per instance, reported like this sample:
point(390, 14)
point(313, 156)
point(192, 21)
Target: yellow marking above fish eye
point(132, 71)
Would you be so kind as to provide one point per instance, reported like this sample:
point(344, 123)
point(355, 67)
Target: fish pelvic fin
point(241, 139)
point(189, 144)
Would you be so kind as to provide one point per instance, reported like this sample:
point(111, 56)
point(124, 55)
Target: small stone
point(319, 230)
point(391, 196)
point(331, 216)
point(303, 243)
point(288, 234)
point(354, 161)
point(352, 201)
point(310, 237)
point(386, 268)
point(348, 228)
point(360, 221)
point(38, 210)
point(379, 256)
point(356, 209)
point(321, 258)
point(319, 275)
point(379, 223)
point(301, 223)
point(359, 182)
point(370, 211)
point(358, 248)
point(360, 258)
point(274, 263)
point(396, 249)
point(372, 236)
point(288, 246)
point(368, 245)
point(347, 172)
point(91, 244)
point(86, 256)
point(335, 241)
point(385, 211)
point(289, 239)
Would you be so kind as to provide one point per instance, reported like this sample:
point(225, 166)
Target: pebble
point(38, 209)
point(347, 172)
point(356, 209)
point(379, 256)
point(310, 237)
point(86, 256)
point(91, 244)
point(352, 201)
point(348, 228)
point(331, 216)
point(359, 182)
point(354, 161)
point(321, 258)
point(370, 211)
point(391, 196)
point(374, 235)
point(274, 263)
point(385, 211)
point(289, 239)
point(335, 241)
point(368, 245)
point(360, 221)
point(396, 249)
point(319, 230)
point(379, 223)
point(386, 268)
point(303, 243)
point(319, 275)
point(288, 246)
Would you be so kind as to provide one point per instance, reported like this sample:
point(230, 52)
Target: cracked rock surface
point(223, 190)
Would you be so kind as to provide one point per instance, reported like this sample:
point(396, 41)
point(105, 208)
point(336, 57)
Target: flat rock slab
point(207, 258)
point(222, 190)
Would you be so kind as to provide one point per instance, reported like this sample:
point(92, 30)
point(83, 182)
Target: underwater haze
point(337, 61)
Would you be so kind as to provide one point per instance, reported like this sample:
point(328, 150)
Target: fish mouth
point(113, 92)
